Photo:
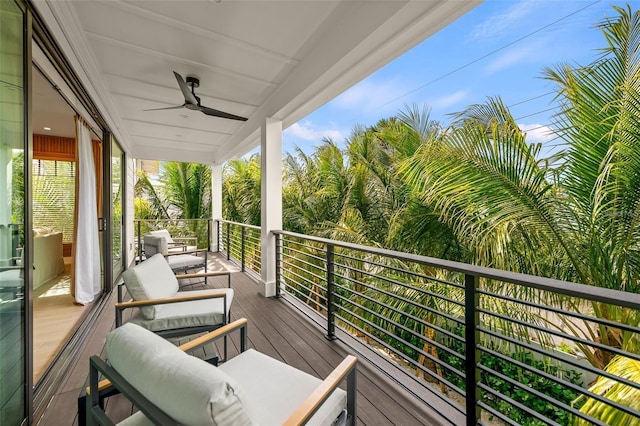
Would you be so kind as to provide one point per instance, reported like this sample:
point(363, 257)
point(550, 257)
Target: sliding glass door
point(13, 277)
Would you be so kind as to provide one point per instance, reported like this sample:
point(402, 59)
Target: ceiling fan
point(192, 102)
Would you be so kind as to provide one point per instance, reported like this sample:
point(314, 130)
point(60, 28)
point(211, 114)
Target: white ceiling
point(257, 59)
point(50, 110)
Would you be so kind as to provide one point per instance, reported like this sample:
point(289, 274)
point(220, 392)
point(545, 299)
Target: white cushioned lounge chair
point(162, 309)
point(180, 260)
point(176, 243)
point(12, 281)
point(12, 277)
point(169, 386)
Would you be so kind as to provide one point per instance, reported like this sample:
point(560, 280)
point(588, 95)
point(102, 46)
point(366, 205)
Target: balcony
point(425, 330)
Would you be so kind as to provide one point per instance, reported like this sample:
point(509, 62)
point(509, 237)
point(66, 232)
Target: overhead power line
point(443, 76)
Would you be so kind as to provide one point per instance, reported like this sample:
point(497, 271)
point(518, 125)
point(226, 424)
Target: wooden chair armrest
point(172, 245)
point(304, 412)
point(238, 324)
point(175, 299)
point(102, 385)
point(185, 238)
point(202, 274)
point(176, 253)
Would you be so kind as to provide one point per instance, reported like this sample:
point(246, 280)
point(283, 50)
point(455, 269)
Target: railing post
point(331, 335)
point(218, 234)
point(139, 245)
point(209, 234)
point(472, 354)
point(242, 247)
point(278, 264)
point(228, 247)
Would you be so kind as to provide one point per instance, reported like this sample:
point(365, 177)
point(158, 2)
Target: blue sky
point(500, 48)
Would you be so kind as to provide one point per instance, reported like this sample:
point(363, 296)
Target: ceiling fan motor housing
point(193, 81)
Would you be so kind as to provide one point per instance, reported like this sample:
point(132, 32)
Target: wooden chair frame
point(113, 381)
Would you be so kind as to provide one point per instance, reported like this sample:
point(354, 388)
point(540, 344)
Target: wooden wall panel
point(56, 148)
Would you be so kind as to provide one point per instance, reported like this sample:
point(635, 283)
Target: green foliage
point(148, 203)
point(17, 188)
point(187, 188)
point(625, 368)
point(477, 191)
point(184, 192)
point(241, 190)
point(529, 379)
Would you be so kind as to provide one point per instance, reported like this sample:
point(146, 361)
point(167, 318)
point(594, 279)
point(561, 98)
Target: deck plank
point(276, 329)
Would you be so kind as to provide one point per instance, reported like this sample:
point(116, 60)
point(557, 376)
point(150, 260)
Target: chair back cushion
point(187, 389)
point(162, 233)
point(154, 244)
point(151, 279)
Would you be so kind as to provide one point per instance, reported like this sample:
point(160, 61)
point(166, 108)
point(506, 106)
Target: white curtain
point(87, 246)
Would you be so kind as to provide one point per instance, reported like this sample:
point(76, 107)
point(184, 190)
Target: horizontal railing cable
point(564, 312)
point(401, 284)
point(403, 327)
point(414, 363)
point(405, 314)
point(403, 271)
point(564, 335)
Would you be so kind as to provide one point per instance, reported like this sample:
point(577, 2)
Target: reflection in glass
point(116, 207)
point(12, 213)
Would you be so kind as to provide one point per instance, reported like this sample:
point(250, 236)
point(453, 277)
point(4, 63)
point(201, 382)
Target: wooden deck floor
point(276, 329)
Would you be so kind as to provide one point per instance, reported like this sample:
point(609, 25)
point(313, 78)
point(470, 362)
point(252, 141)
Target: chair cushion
point(12, 278)
point(273, 390)
point(154, 244)
point(187, 389)
point(195, 313)
point(162, 233)
point(184, 261)
point(151, 279)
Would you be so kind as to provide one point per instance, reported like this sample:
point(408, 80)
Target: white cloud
point(511, 57)
point(308, 131)
point(537, 132)
point(371, 97)
point(497, 25)
point(447, 101)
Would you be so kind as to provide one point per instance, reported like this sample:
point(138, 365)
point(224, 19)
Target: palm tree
point(241, 190)
point(187, 188)
point(575, 218)
point(148, 204)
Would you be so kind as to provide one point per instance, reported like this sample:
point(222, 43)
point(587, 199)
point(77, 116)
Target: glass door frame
point(117, 269)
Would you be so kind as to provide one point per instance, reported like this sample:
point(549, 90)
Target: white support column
point(271, 201)
point(216, 203)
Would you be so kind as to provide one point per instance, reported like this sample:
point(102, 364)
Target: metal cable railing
point(519, 348)
point(241, 243)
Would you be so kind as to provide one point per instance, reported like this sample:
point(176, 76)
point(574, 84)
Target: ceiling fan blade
point(159, 109)
point(189, 98)
point(216, 113)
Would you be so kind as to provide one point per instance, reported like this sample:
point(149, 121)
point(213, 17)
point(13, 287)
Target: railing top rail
point(170, 220)
point(238, 223)
point(583, 291)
